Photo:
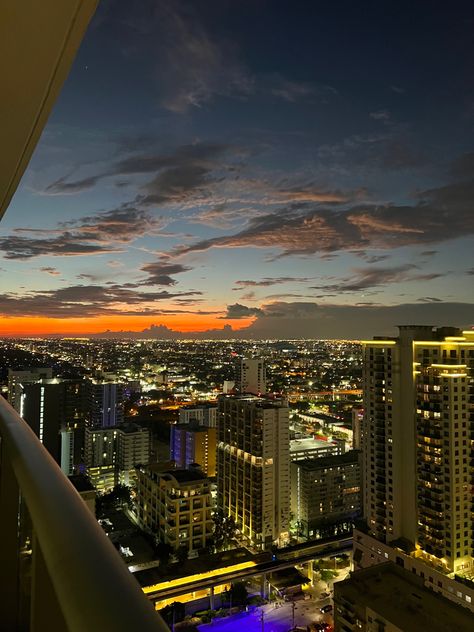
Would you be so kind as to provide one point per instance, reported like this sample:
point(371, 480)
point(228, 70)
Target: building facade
point(251, 376)
point(326, 494)
point(387, 597)
point(312, 447)
point(112, 454)
point(192, 443)
point(203, 414)
point(253, 467)
point(175, 506)
point(416, 440)
point(106, 404)
point(28, 376)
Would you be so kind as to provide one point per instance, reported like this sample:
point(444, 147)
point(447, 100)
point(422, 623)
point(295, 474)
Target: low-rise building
point(390, 599)
point(175, 505)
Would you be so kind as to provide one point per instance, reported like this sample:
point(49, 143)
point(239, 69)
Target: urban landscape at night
point(236, 316)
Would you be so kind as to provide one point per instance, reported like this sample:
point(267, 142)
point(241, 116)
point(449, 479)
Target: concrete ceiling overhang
point(39, 40)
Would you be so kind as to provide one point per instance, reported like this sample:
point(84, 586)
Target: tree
point(238, 594)
point(303, 406)
point(182, 553)
point(327, 575)
point(224, 529)
point(119, 496)
point(173, 613)
point(163, 552)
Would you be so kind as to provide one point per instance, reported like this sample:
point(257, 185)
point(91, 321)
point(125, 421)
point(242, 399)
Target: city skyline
point(285, 170)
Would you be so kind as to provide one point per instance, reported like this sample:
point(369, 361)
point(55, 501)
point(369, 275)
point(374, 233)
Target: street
point(275, 619)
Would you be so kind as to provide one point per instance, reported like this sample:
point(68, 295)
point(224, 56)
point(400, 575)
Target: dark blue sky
point(234, 161)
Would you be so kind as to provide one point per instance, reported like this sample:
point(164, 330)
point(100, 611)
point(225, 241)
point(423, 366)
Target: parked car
point(325, 609)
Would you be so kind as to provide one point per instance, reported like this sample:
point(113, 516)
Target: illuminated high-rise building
point(28, 376)
point(112, 454)
point(417, 443)
point(253, 467)
point(106, 404)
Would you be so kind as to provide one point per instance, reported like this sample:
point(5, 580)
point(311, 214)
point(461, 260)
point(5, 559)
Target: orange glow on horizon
point(22, 326)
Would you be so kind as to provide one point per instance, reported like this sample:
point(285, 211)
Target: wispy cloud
point(96, 234)
point(441, 214)
point(269, 281)
point(85, 301)
point(369, 278)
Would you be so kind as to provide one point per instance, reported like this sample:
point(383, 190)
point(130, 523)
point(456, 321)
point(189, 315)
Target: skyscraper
point(111, 454)
point(106, 404)
point(251, 376)
point(417, 450)
point(253, 467)
point(51, 407)
point(28, 376)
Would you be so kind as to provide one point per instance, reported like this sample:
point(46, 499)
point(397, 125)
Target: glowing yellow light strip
point(183, 581)
point(449, 366)
point(454, 374)
point(440, 343)
point(378, 342)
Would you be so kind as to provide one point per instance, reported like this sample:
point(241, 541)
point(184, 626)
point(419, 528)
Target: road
point(275, 619)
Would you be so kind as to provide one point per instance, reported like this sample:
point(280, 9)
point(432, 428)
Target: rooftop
point(310, 443)
point(346, 458)
point(81, 483)
point(401, 598)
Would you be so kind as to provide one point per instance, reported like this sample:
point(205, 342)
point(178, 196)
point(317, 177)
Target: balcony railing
point(58, 569)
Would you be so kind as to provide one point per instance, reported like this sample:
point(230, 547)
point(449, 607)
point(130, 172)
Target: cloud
point(159, 272)
point(96, 234)
point(267, 282)
point(430, 299)
point(439, 215)
point(62, 187)
point(297, 91)
point(316, 194)
point(193, 65)
point(237, 311)
point(179, 173)
point(51, 271)
point(86, 301)
point(380, 115)
point(367, 278)
point(310, 320)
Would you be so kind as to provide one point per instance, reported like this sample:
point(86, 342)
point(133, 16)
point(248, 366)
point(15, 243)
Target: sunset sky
point(286, 168)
